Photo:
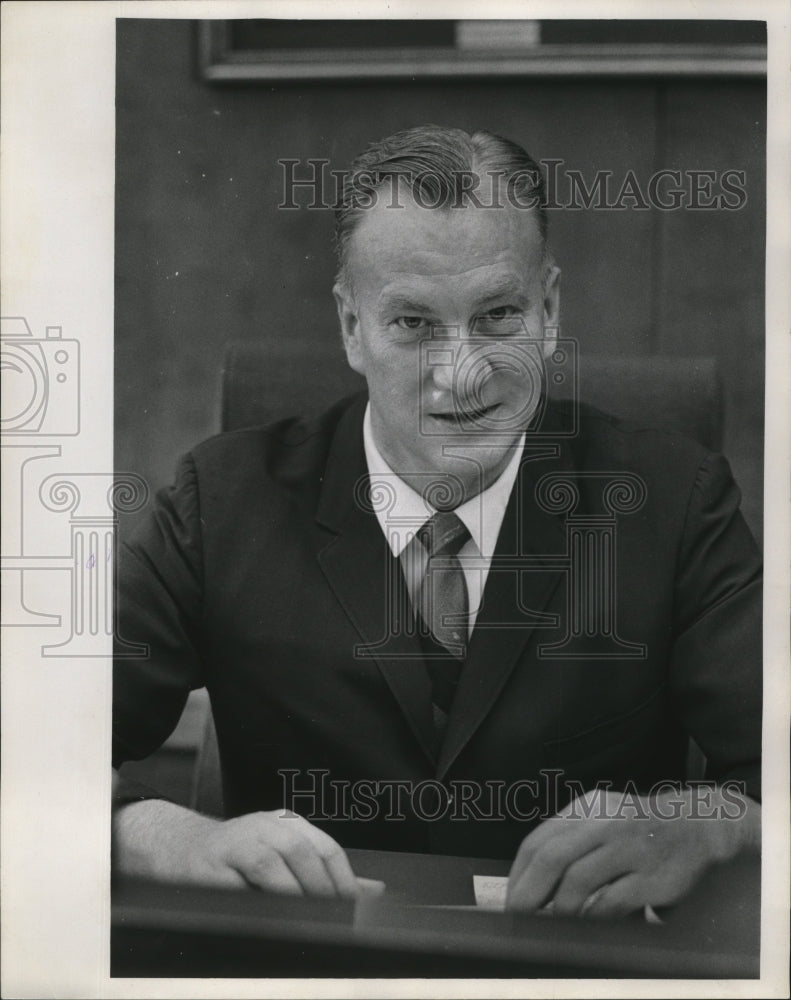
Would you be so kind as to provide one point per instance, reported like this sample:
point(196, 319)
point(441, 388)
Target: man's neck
point(406, 502)
point(458, 487)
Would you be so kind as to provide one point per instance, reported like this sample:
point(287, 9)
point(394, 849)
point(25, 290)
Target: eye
point(501, 312)
point(410, 322)
point(502, 321)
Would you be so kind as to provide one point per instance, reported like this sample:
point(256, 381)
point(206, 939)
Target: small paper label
point(490, 891)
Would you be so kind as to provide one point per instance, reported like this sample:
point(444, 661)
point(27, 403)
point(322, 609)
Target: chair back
point(263, 382)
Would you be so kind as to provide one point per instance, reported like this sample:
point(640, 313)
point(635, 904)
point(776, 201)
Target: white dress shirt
point(401, 512)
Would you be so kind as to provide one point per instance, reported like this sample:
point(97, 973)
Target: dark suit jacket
point(261, 576)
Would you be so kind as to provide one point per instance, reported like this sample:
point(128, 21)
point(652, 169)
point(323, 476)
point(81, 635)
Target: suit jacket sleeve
point(715, 669)
point(160, 597)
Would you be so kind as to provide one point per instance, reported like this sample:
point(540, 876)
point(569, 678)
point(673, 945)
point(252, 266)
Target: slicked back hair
point(439, 166)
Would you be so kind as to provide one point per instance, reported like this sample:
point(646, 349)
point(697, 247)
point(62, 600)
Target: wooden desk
point(172, 931)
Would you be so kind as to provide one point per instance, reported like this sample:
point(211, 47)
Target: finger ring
point(594, 896)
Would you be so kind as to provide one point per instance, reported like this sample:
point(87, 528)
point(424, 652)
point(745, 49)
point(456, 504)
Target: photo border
point(58, 79)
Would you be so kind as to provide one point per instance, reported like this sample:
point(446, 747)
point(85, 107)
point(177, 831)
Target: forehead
point(424, 245)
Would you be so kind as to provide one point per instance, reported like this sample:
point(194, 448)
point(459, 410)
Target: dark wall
point(203, 254)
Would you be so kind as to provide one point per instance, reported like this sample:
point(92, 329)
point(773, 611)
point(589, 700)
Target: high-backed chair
point(265, 380)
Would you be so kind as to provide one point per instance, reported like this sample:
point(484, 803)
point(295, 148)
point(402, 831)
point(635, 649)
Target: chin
point(474, 469)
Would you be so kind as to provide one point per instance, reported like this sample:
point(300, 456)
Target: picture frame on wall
point(261, 51)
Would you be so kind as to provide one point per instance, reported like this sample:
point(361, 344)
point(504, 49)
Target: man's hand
point(609, 853)
point(278, 851)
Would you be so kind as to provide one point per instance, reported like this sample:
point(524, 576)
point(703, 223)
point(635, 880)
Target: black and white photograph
point(401, 535)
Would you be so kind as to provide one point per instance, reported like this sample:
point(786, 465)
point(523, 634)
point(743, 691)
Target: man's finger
point(578, 812)
point(549, 829)
point(370, 886)
point(344, 879)
point(308, 866)
point(225, 877)
point(621, 897)
point(333, 857)
point(269, 871)
point(587, 874)
point(541, 861)
point(542, 868)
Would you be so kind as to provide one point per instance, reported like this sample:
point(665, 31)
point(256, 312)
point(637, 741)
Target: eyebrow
point(404, 302)
point(504, 289)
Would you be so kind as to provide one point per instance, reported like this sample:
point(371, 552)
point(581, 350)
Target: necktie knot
point(444, 534)
point(443, 594)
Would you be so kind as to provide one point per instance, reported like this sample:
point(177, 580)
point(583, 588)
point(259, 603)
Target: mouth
point(463, 416)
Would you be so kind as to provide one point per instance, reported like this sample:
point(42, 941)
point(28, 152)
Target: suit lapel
point(514, 599)
point(367, 580)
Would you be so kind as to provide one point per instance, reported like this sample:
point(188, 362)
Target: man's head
point(444, 287)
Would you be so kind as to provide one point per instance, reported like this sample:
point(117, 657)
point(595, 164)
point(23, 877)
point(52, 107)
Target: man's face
point(440, 317)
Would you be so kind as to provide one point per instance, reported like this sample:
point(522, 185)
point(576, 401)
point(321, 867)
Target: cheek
point(395, 370)
point(374, 346)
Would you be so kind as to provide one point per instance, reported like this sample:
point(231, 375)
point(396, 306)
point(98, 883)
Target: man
point(377, 600)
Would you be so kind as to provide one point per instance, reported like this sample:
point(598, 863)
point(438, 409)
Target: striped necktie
point(443, 607)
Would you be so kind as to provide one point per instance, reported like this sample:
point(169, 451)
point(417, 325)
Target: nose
point(443, 372)
point(458, 366)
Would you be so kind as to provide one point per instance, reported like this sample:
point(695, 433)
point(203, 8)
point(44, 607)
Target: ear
point(551, 289)
point(350, 326)
point(551, 292)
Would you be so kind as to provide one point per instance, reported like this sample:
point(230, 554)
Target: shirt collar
point(406, 510)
